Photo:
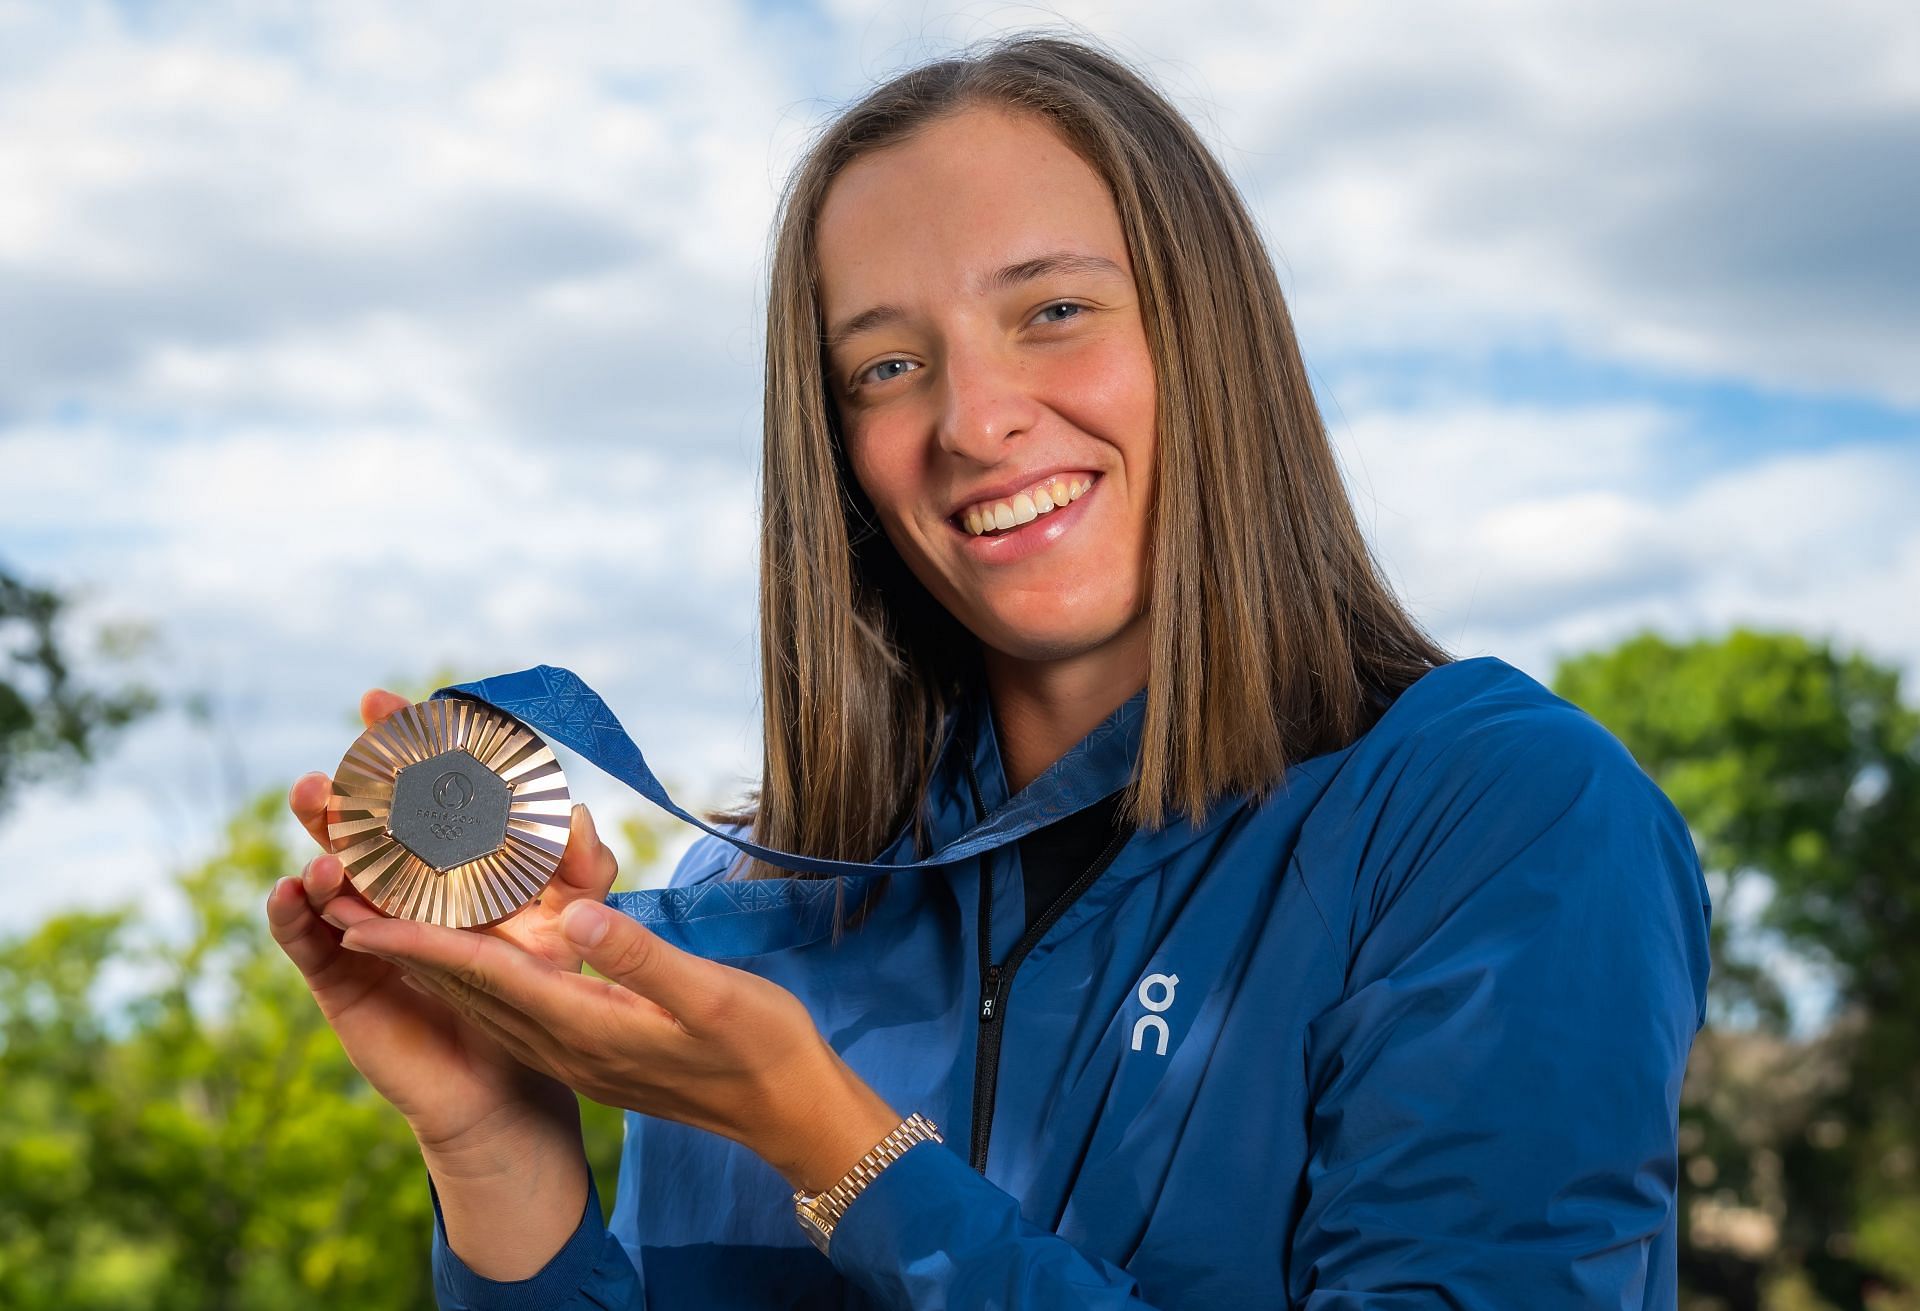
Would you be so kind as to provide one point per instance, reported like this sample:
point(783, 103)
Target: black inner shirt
point(1052, 858)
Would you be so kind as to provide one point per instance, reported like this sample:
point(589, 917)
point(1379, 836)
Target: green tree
point(179, 1128)
point(1798, 769)
point(49, 720)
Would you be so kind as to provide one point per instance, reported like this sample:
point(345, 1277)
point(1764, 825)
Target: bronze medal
point(450, 812)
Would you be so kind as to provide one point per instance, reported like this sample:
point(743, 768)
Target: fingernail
point(584, 923)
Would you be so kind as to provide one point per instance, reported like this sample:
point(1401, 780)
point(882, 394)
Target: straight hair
point(1274, 635)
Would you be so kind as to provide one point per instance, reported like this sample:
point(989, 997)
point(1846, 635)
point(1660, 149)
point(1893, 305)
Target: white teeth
point(1025, 507)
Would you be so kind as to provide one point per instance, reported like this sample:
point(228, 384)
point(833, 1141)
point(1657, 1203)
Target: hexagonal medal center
point(449, 809)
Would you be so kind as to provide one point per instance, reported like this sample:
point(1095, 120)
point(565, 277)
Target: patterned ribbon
point(560, 707)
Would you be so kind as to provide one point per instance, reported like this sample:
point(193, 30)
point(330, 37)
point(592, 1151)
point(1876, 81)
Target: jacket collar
point(1097, 766)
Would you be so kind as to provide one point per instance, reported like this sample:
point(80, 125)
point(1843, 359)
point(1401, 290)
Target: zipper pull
point(990, 989)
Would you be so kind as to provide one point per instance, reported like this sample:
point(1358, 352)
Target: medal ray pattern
point(451, 812)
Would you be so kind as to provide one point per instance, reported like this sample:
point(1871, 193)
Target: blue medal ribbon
point(559, 706)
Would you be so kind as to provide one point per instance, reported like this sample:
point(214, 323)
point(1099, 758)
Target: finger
point(330, 893)
point(558, 1002)
point(588, 866)
point(308, 796)
point(691, 987)
point(376, 703)
point(308, 940)
point(503, 1024)
point(307, 799)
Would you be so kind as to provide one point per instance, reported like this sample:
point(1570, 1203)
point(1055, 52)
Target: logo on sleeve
point(1165, 983)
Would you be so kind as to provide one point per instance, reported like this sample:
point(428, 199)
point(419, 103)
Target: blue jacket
point(1408, 1033)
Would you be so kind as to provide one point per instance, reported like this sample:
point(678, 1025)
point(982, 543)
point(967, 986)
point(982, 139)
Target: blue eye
point(1063, 305)
point(872, 368)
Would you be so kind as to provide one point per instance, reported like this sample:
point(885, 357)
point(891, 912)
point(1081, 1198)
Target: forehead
point(968, 194)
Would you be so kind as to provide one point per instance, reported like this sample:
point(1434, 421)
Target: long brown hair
point(1274, 636)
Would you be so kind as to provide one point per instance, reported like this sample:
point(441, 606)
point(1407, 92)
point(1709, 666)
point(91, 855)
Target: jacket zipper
point(996, 981)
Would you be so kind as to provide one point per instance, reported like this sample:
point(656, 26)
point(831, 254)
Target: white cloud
point(1717, 191)
point(235, 211)
point(1531, 533)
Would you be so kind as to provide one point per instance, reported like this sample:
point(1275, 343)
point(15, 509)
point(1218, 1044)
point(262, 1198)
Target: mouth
point(1010, 514)
point(1029, 532)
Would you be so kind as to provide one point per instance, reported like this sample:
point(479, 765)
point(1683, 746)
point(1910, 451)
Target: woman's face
point(990, 370)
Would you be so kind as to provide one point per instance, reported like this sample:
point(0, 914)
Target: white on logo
point(1167, 983)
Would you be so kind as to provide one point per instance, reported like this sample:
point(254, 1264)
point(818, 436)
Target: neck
point(1041, 708)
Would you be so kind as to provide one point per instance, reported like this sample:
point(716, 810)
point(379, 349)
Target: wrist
point(509, 1226)
point(819, 1213)
point(509, 1142)
point(829, 1122)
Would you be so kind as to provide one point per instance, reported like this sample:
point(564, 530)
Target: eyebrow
point(1026, 270)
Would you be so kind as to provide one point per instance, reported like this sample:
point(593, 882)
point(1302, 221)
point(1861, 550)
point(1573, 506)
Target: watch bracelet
point(835, 1200)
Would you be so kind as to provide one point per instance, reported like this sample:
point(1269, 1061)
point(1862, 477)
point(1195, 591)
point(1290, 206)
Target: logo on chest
point(1156, 994)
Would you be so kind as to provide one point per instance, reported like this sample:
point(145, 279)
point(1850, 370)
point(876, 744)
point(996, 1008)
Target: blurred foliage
point(48, 721)
point(180, 1129)
point(1798, 769)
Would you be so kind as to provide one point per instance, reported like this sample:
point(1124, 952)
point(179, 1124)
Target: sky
point(344, 343)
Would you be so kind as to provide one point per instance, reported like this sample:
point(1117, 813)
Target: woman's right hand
point(466, 1099)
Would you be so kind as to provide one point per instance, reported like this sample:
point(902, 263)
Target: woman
point(1298, 965)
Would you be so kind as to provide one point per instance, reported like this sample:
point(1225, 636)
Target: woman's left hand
point(665, 1032)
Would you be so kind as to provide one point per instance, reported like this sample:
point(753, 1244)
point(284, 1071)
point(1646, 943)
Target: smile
point(1054, 492)
point(1039, 532)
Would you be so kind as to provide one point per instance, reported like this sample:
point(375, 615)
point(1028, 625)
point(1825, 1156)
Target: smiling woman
point(1348, 975)
point(989, 274)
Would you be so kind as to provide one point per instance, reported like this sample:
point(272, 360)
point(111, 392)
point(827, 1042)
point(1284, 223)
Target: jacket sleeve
point(590, 1271)
point(931, 1233)
point(1494, 1099)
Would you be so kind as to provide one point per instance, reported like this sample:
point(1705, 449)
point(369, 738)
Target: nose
point(988, 402)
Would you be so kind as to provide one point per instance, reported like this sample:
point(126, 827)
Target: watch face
point(450, 812)
point(813, 1230)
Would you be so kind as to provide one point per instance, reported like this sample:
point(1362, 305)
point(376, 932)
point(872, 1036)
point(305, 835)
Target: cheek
point(887, 471)
point(1109, 392)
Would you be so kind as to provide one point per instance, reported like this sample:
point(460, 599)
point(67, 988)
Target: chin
point(1049, 638)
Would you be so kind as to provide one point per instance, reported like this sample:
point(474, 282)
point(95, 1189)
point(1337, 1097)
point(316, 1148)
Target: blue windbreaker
point(1408, 1033)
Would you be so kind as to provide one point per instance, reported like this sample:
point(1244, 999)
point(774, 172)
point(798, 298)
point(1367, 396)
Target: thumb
point(587, 867)
point(639, 961)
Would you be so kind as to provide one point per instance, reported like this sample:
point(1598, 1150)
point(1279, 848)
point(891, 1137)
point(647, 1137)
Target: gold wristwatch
point(819, 1212)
